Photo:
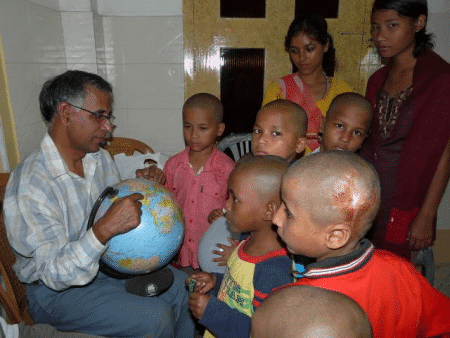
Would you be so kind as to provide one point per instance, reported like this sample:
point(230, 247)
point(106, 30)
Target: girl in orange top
point(312, 85)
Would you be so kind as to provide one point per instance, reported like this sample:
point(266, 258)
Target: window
point(243, 9)
point(326, 8)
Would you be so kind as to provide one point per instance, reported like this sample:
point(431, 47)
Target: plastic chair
point(13, 296)
point(128, 146)
point(238, 144)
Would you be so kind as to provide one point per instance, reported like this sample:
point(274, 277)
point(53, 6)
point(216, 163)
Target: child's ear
point(322, 123)
point(320, 131)
point(271, 209)
point(221, 129)
point(300, 145)
point(338, 236)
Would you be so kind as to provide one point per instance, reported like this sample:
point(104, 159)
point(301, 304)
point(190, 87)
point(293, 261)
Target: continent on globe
point(156, 240)
point(139, 264)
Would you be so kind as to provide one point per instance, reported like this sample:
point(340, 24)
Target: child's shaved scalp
point(350, 98)
point(306, 312)
point(208, 102)
point(336, 186)
point(267, 171)
point(297, 113)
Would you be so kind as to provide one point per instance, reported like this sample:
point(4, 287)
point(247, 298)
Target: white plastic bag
point(127, 165)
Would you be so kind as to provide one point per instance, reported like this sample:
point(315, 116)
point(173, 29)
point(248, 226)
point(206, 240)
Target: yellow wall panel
point(6, 114)
point(205, 33)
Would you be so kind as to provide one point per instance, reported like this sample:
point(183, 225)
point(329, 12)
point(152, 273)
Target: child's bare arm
point(225, 251)
point(422, 228)
point(215, 214)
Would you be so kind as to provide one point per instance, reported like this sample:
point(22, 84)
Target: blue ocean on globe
point(156, 240)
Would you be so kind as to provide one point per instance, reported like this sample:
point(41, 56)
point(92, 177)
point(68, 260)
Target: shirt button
point(375, 156)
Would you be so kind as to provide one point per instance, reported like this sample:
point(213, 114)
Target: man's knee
point(152, 323)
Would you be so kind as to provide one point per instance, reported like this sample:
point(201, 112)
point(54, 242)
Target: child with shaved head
point(329, 201)
point(346, 124)
point(280, 129)
point(258, 264)
point(198, 175)
point(309, 312)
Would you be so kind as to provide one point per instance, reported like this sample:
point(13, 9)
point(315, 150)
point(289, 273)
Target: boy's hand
point(152, 173)
point(191, 284)
point(198, 303)
point(215, 214)
point(225, 252)
point(205, 281)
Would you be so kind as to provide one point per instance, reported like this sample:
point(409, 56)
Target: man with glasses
point(47, 205)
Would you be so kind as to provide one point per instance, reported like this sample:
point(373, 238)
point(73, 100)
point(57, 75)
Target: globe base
point(151, 284)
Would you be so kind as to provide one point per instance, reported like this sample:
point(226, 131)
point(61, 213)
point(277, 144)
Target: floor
point(442, 279)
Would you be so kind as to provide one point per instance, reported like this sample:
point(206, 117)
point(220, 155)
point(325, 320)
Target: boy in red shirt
point(329, 201)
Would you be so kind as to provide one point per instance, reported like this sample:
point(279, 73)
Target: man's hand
point(123, 216)
point(152, 173)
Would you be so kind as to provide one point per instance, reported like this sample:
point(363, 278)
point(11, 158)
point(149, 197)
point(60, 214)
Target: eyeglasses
point(98, 114)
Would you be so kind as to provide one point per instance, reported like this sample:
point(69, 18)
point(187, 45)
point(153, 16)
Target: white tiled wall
point(144, 63)
point(142, 56)
point(34, 50)
point(79, 40)
point(439, 25)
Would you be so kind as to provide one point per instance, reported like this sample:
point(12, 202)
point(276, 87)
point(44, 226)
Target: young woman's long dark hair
point(315, 27)
point(411, 9)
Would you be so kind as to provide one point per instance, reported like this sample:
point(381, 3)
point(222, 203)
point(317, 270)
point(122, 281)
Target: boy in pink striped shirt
point(198, 175)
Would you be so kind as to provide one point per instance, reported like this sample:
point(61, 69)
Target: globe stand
point(150, 284)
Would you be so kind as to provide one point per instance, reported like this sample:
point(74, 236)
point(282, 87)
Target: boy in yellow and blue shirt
point(258, 264)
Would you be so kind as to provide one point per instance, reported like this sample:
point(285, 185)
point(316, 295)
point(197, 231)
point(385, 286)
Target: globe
point(156, 240)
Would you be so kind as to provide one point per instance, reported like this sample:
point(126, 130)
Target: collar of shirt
point(184, 160)
point(336, 266)
point(56, 164)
